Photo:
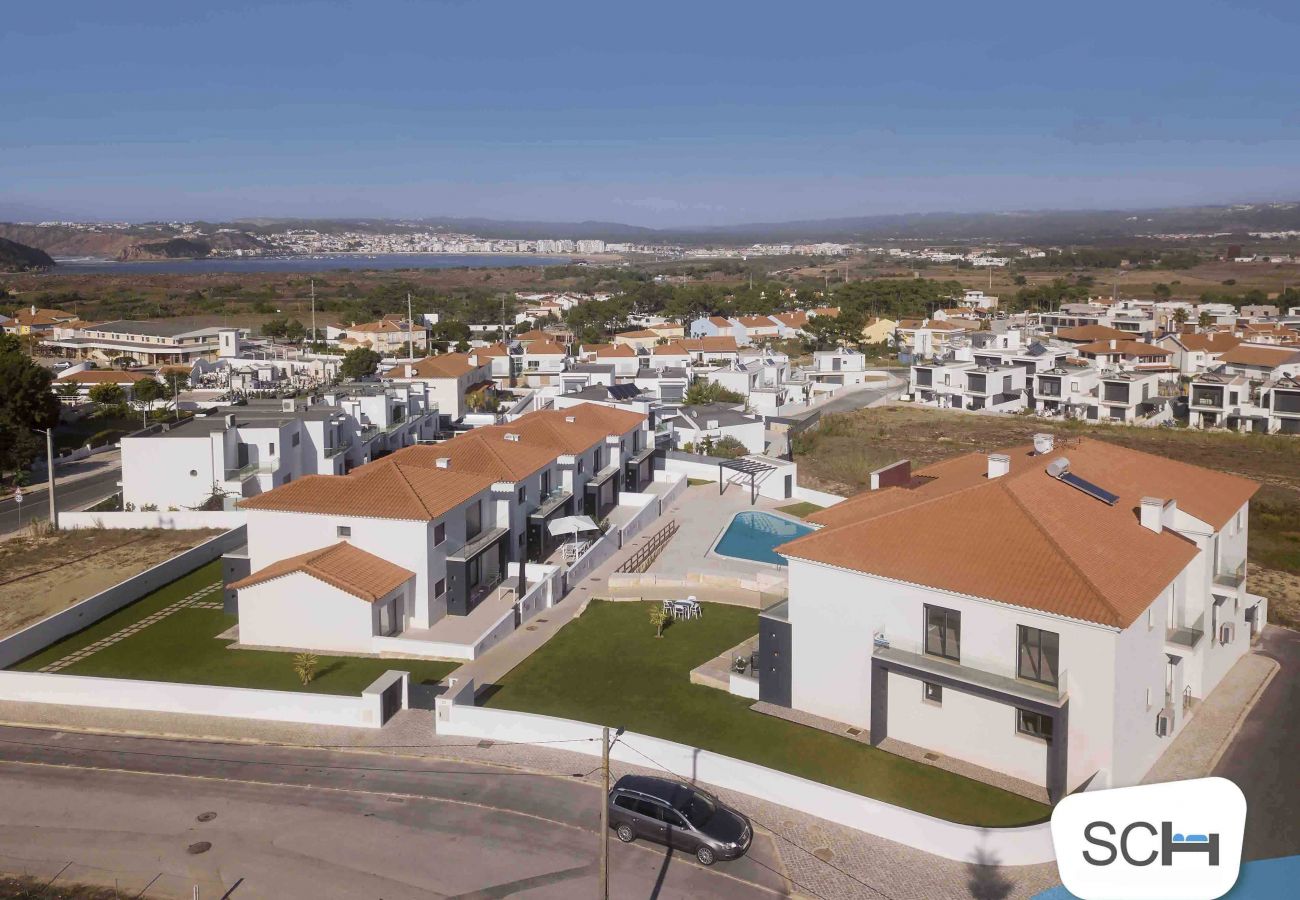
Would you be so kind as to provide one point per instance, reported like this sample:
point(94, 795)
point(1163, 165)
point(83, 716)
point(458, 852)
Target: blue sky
point(658, 113)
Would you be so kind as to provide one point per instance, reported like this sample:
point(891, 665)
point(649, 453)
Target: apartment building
point(1052, 613)
point(455, 383)
point(220, 459)
point(443, 524)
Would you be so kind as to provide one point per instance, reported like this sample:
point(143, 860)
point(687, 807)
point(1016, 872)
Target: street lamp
point(49, 470)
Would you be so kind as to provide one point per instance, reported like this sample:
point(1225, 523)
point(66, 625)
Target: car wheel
point(705, 856)
point(626, 834)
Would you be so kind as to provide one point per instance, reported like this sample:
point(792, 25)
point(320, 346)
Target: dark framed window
point(933, 692)
point(1038, 655)
point(943, 632)
point(440, 587)
point(296, 440)
point(343, 531)
point(523, 493)
point(1034, 724)
point(439, 533)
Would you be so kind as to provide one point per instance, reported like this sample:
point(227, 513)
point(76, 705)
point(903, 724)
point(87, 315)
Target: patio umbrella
point(571, 524)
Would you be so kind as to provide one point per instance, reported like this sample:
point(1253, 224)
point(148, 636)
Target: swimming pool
point(752, 535)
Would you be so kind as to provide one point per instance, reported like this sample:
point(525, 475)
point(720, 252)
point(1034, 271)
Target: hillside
point(176, 248)
point(16, 257)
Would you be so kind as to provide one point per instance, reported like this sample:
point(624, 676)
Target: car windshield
point(697, 809)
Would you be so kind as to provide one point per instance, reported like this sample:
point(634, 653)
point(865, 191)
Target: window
point(943, 632)
point(932, 692)
point(270, 449)
point(439, 533)
point(440, 587)
point(595, 460)
point(343, 531)
point(523, 493)
point(473, 520)
point(297, 439)
point(1038, 654)
point(1034, 724)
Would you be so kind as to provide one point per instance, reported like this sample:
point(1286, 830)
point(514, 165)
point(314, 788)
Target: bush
point(102, 438)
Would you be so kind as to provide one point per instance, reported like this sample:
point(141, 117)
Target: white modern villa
point(1053, 613)
point(400, 554)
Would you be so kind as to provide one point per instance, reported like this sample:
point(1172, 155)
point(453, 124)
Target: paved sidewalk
point(823, 859)
point(1197, 748)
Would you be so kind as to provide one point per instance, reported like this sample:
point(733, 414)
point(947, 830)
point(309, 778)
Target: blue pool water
point(753, 535)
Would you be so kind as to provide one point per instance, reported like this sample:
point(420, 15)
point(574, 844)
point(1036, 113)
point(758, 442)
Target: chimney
point(1113, 343)
point(443, 462)
point(1153, 509)
point(511, 436)
point(999, 465)
point(1043, 444)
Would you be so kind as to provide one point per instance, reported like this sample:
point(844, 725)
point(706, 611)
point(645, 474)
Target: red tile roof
point(1028, 539)
point(348, 568)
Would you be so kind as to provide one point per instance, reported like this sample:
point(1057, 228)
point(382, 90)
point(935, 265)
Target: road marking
point(643, 847)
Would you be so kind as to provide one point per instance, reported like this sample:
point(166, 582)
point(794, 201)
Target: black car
point(677, 815)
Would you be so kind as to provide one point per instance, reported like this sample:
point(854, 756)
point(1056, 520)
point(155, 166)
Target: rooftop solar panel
point(1090, 489)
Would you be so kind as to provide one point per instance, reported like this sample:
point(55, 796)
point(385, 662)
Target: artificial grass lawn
point(183, 647)
point(607, 667)
point(801, 509)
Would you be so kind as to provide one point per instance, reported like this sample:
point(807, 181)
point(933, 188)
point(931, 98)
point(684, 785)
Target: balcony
point(912, 657)
point(1187, 635)
point(248, 471)
point(1231, 578)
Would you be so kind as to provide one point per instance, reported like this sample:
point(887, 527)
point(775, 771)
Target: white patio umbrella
point(571, 524)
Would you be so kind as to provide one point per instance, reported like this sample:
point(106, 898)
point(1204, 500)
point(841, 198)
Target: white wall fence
point(182, 520)
point(364, 711)
point(629, 585)
point(676, 485)
point(1028, 845)
point(37, 637)
point(648, 509)
point(771, 484)
point(821, 498)
point(592, 557)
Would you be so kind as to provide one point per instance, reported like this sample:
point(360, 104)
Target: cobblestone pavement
point(194, 600)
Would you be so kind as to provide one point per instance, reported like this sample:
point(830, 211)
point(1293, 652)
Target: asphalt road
point(75, 495)
point(319, 823)
point(1262, 757)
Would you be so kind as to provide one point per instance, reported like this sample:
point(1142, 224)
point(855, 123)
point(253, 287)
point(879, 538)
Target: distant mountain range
point(1030, 227)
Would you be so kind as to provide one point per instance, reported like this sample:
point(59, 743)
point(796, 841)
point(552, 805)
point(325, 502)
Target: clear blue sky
point(659, 113)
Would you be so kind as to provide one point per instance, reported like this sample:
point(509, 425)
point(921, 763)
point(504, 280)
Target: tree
point(108, 396)
point(145, 393)
point(1163, 291)
point(275, 328)
point(658, 618)
point(1180, 316)
point(304, 666)
point(1205, 320)
point(361, 362)
point(26, 403)
point(729, 448)
point(701, 392)
point(295, 331)
point(68, 390)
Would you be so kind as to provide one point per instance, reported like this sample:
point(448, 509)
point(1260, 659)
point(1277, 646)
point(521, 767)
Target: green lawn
point(607, 667)
point(184, 647)
point(801, 509)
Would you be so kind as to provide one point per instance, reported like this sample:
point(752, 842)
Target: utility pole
point(313, 310)
point(605, 745)
point(410, 325)
point(49, 469)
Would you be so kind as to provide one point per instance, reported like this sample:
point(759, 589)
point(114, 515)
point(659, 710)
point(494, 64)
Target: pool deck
point(701, 517)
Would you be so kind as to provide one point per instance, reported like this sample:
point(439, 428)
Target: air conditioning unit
point(286, 406)
point(1165, 722)
point(1227, 631)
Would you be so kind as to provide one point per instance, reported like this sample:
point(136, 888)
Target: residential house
point(625, 359)
point(919, 339)
point(1260, 362)
point(641, 340)
point(879, 330)
point(454, 382)
point(38, 321)
point(389, 336)
point(1125, 355)
point(543, 361)
point(86, 379)
point(1195, 352)
point(1067, 610)
point(711, 422)
point(1280, 398)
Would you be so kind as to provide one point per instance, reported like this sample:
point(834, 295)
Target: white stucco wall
point(156, 470)
point(299, 611)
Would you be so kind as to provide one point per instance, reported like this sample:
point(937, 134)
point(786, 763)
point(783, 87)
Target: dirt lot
point(42, 575)
point(840, 455)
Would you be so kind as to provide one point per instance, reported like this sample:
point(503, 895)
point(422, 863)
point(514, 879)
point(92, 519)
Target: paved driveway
point(1262, 757)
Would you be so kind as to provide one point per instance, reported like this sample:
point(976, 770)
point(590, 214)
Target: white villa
point(1053, 613)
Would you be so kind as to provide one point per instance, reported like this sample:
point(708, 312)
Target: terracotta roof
point(797, 319)
point(409, 484)
point(383, 326)
point(672, 348)
point(492, 350)
point(712, 344)
point(831, 311)
point(544, 348)
point(756, 322)
point(933, 325)
point(1086, 334)
point(534, 335)
point(1211, 341)
point(720, 321)
point(1125, 347)
point(1258, 355)
point(1026, 538)
point(100, 376)
point(608, 350)
point(344, 566)
point(444, 365)
point(641, 334)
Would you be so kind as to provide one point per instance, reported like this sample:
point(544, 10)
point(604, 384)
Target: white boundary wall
point(1024, 846)
point(648, 512)
point(156, 696)
point(37, 637)
point(821, 498)
point(596, 554)
point(184, 519)
point(678, 482)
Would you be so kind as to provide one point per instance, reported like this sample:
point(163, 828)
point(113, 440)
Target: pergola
point(746, 467)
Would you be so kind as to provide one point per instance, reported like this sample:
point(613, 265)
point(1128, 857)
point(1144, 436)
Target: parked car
point(679, 816)
point(60, 366)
